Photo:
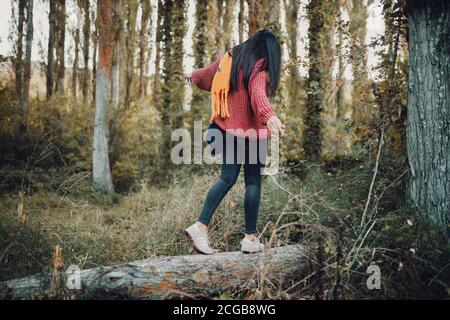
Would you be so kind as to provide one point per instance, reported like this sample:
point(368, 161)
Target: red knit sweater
point(248, 109)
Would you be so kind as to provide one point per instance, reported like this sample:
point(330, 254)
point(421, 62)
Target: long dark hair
point(262, 44)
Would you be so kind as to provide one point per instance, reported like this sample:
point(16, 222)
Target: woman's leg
point(218, 190)
point(252, 173)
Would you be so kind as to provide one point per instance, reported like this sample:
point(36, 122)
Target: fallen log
point(169, 277)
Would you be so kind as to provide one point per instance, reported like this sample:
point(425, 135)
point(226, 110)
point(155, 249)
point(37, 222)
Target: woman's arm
point(257, 89)
point(260, 103)
point(203, 77)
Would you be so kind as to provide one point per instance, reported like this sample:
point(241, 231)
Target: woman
point(245, 76)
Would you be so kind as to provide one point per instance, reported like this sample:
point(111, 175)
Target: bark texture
point(428, 125)
point(101, 167)
point(51, 48)
point(130, 44)
point(143, 45)
point(172, 277)
point(27, 62)
point(312, 142)
point(19, 50)
point(60, 45)
point(86, 46)
point(358, 19)
point(117, 52)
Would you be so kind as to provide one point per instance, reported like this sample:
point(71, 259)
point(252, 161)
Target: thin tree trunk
point(19, 52)
point(241, 21)
point(312, 142)
point(200, 99)
point(358, 18)
point(143, 45)
point(27, 62)
point(228, 22)
point(51, 48)
point(174, 277)
point(86, 47)
point(75, 66)
point(292, 10)
point(60, 45)
point(101, 169)
point(94, 56)
point(340, 79)
point(174, 30)
point(117, 53)
point(427, 131)
point(130, 44)
point(157, 81)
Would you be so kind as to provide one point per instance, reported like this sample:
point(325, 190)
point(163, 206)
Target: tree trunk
point(241, 21)
point(173, 31)
point(94, 55)
point(158, 38)
point(143, 45)
point(19, 51)
point(60, 45)
point(292, 10)
point(51, 48)
point(86, 47)
point(174, 277)
point(427, 131)
point(27, 62)
point(312, 142)
point(358, 19)
point(340, 62)
point(117, 53)
point(228, 23)
point(130, 44)
point(101, 168)
point(77, 51)
point(199, 102)
point(255, 14)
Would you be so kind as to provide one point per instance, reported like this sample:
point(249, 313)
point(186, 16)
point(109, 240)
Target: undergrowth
point(321, 211)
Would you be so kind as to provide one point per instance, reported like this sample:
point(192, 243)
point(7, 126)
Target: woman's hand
point(275, 125)
point(188, 79)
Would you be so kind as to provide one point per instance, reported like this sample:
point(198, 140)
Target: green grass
point(307, 208)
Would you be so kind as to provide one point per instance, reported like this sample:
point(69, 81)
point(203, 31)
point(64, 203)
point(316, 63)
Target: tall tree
point(143, 45)
point(19, 50)
point(200, 99)
point(86, 48)
point(27, 62)
point(51, 48)
point(358, 19)
point(312, 142)
point(292, 14)
point(101, 168)
point(158, 37)
point(117, 52)
point(427, 131)
point(60, 45)
point(263, 14)
point(130, 44)
point(241, 21)
point(294, 107)
point(75, 66)
point(228, 22)
point(340, 65)
point(173, 31)
point(94, 37)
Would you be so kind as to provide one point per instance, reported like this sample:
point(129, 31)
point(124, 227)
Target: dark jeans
point(229, 174)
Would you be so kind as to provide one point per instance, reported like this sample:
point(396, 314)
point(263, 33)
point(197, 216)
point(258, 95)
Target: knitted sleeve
point(203, 77)
point(260, 103)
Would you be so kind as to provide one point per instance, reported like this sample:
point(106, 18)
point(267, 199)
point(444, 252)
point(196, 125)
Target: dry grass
point(322, 211)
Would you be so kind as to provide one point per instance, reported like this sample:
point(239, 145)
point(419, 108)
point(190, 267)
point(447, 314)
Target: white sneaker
point(254, 246)
point(199, 240)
